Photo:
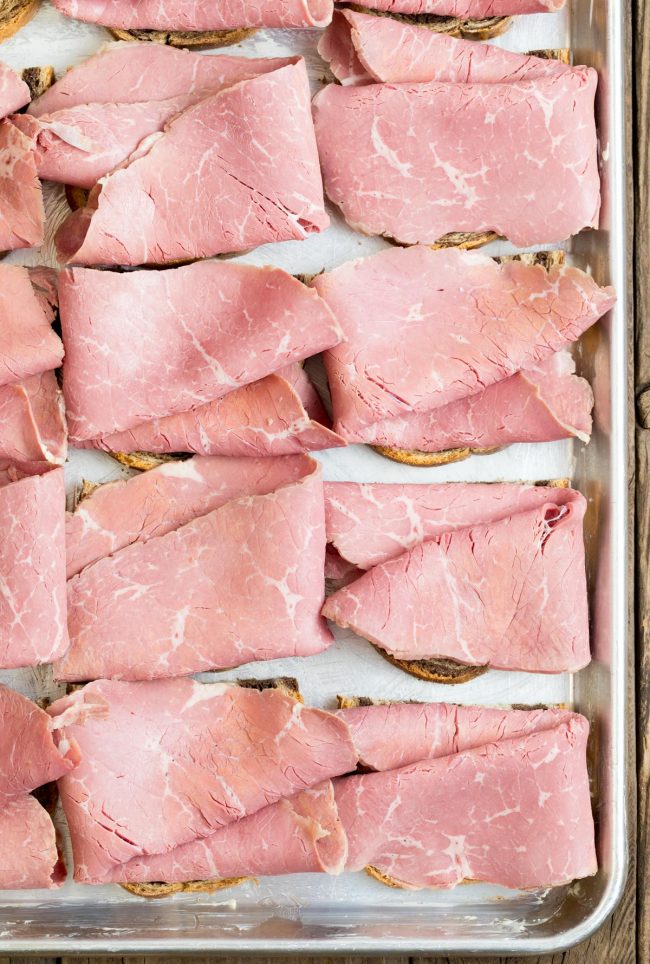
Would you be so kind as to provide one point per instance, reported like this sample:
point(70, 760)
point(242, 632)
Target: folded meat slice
point(137, 73)
point(195, 333)
point(544, 404)
point(250, 175)
point(298, 835)
point(22, 215)
point(242, 583)
point(118, 514)
point(33, 435)
point(28, 344)
point(447, 324)
point(201, 756)
point(271, 416)
point(29, 756)
point(29, 858)
point(466, 9)
point(32, 570)
point(509, 595)
point(415, 162)
point(392, 735)
point(372, 522)
point(78, 145)
point(14, 92)
point(192, 16)
point(362, 49)
point(515, 813)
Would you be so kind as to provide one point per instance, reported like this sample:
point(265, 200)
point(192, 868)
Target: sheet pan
point(314, 913)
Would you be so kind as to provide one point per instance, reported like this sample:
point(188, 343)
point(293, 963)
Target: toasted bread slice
point(436, 670)
point(284, 684)
point(38, 79)
point(482, 29)
point(14, 14)
point(143, 461)
point(155, 891)
point(185, 38)
point(466, 240)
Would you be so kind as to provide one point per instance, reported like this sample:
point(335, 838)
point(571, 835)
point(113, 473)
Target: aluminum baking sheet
point(320, 914)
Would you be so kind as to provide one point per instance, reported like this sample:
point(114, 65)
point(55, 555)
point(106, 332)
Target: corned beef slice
point(298, 835)
point(195, 16)
point(466, 9)
point(79, 141)
point(33, 434)
point(414, 162)
point(22, 216)
point(28, 345)
point(195, 333)
point(250, 175)
point(28, 853)
point(391, 735)
point(201, 756)
point(242, 583)
point(153, 503)
point(371, 523)
point(268, 417)
point(446, 325)
point(509, 594)
point(14, 92)
point(362, 49)
point(29, 757)
point(32, 571)
point(544, 404)
point(515, 813)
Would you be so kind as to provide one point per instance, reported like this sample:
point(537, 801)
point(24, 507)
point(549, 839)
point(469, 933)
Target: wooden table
point(625, 938)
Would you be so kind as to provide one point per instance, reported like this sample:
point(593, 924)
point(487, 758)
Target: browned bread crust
point(436, 670)
point(185, 38)
point(425, 459)
point(482, 29)
point(14, 14)
point(155, 891)
point(38, 79)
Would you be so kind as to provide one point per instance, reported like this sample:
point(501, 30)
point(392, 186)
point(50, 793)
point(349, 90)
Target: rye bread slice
point(143, 461)
point(155, 890)
point(185, 38)
point(14, 14)
point(547, 260)
point(38, 79)
point(483, 29)
point(438, 669)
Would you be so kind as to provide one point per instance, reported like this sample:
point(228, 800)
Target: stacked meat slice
point(458, 793)
point(29, 758)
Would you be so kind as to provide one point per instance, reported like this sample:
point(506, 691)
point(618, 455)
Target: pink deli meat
point(414, 162)
point(202, 755)
point(193, 16)
point(154, 503)
point(544, 404)
point(362, 49)
point(150, 611)
point(392, 735)
point(509, 595)
point(446, 325)
point(250, 175)
point(268, 417)
point(14, 92)
point(373, 522)
point(32, 571)
point(195, 333)
point(33, 435)
point(22, 215)
point(29, 757)
point(299, 835)
point(80, 143)
point(466, 9)
point(515, 813)
point(29, 858)
point(28, 344)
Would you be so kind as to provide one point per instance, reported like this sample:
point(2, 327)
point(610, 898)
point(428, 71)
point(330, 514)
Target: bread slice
point(14, 14)
point(158, 889)
point(439, 669)
point(38, 79)
point(547, 260)
point(185, 38)
point(483, 29)
point(143, 461)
